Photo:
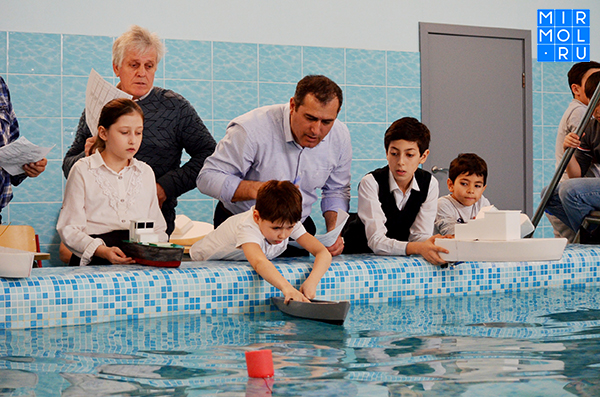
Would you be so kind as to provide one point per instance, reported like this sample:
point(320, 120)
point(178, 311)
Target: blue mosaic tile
point(34, 53)
point(194, 194)
point(365, 104)
point(199, 210)
point(275, 93)
point(35, 96)
point(41, 216)
point(3, 59)
point(219, 129)
point(555, 77)
point(279, 63)
point(54, 260)
point(537, 75)
point(73, 94)
point(69, 130)
point(365, 67)
point(159, 81)
point(537, 104)
point(404, 69)
point(232, 99)
point(326, 61)
point(198, 93)
point(367, 140)
point(554, 107)
point(360, 168)
point(403, 102)
point(317, 217)
point(47, 187)
point(60, 296)
point(549, 142)
point(43, 131)
point(549, 166)
point(235, 61)
point(354, 204)
point(81, 54)
point(538, 142)
point(538, 176)
point(188, 59)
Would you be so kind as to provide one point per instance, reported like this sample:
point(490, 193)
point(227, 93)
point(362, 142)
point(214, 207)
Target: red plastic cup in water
point(260, 364)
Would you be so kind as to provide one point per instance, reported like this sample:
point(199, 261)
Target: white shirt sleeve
point(72, 220)
point(373, 217)
point(422, 227)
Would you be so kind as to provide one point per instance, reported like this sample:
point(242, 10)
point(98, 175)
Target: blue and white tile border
point(71, 296)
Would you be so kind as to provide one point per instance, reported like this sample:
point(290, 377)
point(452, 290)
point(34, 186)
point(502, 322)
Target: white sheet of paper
point(328, 239)
point(20, 152)
point(97, 94)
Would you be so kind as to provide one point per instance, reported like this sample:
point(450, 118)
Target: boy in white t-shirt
point(261, 234)
point(467, 180)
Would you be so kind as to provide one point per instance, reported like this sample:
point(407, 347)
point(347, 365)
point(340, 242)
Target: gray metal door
point(476, 97)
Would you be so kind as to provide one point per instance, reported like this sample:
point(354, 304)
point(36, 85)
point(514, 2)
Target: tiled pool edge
point(71, 296)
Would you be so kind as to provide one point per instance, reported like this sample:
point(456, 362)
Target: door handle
point(435, 169)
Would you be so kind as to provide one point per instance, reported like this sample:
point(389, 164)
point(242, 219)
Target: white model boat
point(521, 250)
point(15, 263)
point(495, 236)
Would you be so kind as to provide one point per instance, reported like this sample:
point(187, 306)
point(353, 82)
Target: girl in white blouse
point(108, 189)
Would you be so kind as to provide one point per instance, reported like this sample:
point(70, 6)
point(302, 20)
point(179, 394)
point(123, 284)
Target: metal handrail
point(585, 121)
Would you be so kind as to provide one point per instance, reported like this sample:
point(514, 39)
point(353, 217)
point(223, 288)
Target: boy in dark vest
point(397, 204)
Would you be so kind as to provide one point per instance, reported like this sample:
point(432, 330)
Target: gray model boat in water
point(325, 311)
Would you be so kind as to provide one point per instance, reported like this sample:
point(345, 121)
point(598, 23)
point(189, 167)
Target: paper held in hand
point(98, 93)
point(20, 152)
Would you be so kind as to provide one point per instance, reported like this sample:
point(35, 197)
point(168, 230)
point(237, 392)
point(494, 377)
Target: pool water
point(543, 342)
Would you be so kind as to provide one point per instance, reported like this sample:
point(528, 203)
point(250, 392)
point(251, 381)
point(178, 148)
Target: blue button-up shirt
point(259, 146)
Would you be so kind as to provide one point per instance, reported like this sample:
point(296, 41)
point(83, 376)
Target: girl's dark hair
point(279, 201)
point(111, 112)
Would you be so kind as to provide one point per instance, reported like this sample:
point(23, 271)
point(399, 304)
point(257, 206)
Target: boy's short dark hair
point(470, 164)
point(323, 88)
point(409, 129)
point(577, 71)
point(279, 201)
point(591, 83)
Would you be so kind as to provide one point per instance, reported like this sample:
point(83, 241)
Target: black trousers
point(222, 213)
point(111, 239)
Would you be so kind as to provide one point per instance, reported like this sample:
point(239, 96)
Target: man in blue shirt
point(9, 132)
point(301, 141)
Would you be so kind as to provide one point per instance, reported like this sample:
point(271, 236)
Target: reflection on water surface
point(541, 342)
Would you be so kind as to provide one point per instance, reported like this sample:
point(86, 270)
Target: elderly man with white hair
point(171, 124)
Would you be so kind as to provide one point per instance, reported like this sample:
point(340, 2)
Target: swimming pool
point(535, 342)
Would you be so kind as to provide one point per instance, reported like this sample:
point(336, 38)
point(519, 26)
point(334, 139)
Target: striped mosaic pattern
point(72, 296)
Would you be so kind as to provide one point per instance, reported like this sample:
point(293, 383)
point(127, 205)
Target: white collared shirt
point(373, 217)
point(99, 200)
point(225, 242)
